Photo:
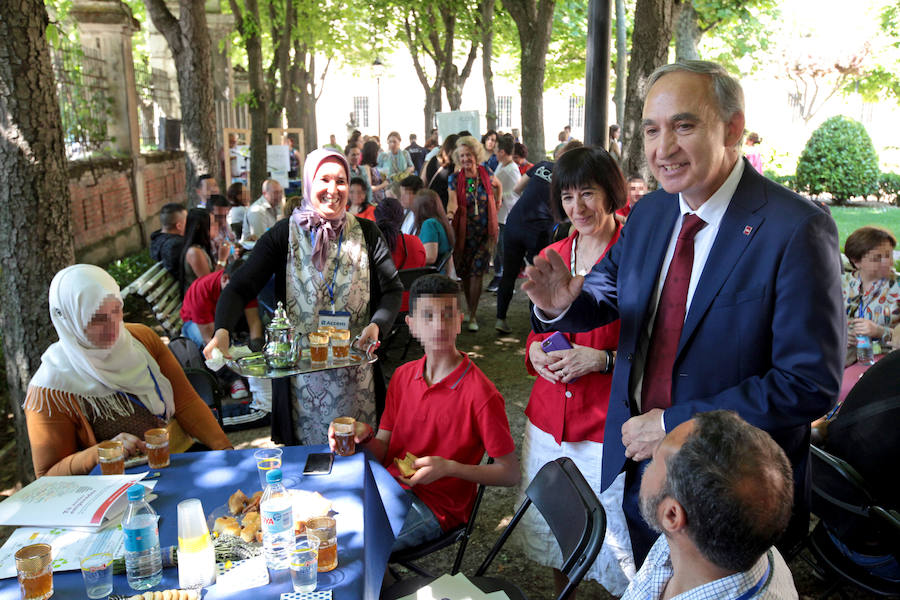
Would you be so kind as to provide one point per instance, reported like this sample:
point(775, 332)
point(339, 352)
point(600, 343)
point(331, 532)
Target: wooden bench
point(163, 295)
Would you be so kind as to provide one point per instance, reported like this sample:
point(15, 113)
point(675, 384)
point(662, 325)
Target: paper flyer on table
point(86, 502)
point(69, 546)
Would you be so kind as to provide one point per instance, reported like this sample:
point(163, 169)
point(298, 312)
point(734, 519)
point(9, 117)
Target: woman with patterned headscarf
point(325, 261)
point(106, 380)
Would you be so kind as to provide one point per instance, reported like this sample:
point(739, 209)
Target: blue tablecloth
point(370, 508)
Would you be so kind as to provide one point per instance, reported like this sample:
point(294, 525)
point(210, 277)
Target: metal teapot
point(282, 349)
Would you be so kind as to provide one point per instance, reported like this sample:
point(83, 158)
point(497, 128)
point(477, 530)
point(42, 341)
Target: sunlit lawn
point(851, 218)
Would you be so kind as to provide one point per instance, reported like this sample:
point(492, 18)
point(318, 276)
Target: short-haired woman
point(872, 291)
point(568, 404)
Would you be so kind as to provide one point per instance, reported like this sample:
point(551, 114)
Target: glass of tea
point(324, 529)
point(344, 435)
point(112, 457)
point(318, 348)
point(34, 568)
point(157, 441)
point(340, 345)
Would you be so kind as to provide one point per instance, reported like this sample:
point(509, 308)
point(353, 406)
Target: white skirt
point(614, 566)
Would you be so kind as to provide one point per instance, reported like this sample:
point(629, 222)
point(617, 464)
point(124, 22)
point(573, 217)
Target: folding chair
point(575, 516)
point(847, 511)
point(460, 533)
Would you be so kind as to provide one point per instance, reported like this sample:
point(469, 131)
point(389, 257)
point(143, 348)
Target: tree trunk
point(432, 105)
point(278, 73)
point(687, 33)
point(311, 130)
point(414, 39)
point(486, 9)
point(621, 60)
point(534, 20)
point(248, 25)
point(35, 231)
point(653, 23)
point(189, 42)
point(454, 81)
point(293, 104)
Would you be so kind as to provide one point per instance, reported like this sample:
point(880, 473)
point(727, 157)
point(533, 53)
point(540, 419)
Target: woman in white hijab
point(325, 262)
point(106, 380)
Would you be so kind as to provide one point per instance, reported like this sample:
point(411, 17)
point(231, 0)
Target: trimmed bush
point(839, 159)
point(889, 187)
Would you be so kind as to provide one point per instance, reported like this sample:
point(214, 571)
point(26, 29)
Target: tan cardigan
point(63, 443)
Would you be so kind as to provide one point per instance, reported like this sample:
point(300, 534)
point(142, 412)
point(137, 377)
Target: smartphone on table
point(318, 463)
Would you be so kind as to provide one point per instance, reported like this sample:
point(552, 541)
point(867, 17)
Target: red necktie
point(656, 391)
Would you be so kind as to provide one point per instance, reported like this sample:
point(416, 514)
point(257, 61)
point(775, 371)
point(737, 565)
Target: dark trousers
point(642, 537)
point(498, 251)
point(519, 244)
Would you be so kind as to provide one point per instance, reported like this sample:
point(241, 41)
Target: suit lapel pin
point(747, 230)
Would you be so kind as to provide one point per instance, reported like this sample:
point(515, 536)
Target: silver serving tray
point(255, 365)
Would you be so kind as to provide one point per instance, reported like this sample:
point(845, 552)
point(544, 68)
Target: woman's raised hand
point(550, 285)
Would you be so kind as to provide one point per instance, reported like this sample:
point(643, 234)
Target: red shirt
point(624, 211)
point(367, 213)
point(576, 411)
point(523, 168)
point(410, 256)
point(200, 299)
point(460, 418)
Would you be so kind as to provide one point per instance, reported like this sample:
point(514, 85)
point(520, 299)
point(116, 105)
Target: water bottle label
point(277, 521)
point(140, 539)
point(863, 341)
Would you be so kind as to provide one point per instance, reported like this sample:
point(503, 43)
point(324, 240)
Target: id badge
point(338, 319)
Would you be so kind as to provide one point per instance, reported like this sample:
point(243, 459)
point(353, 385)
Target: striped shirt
point(769, 579)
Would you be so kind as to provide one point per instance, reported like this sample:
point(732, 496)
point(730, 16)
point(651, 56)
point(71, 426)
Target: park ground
point(501, 357)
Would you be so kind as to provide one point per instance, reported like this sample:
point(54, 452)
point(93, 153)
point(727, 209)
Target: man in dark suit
point(727, 286)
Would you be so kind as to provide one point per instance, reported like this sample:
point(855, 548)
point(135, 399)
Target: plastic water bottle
point(864, 352)
point(143, 562)
point(276, 511)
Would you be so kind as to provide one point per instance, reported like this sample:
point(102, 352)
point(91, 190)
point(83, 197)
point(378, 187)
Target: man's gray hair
point(736, 487)
point(727, 90)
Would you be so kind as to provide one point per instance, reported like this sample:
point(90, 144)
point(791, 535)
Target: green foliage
point(889, 187)
point(839, 158)
point(566, 55)
point(785, 180)
point(125, 270)
point(735, 29)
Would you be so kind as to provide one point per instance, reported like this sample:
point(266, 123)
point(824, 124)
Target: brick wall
point(104, 220)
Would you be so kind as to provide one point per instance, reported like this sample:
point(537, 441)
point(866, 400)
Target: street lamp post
point(378, 71)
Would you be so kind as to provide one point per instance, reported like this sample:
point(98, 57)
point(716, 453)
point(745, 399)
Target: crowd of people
point(682, 341)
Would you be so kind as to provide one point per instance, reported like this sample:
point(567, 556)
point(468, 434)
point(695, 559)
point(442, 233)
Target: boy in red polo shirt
point(444, 410)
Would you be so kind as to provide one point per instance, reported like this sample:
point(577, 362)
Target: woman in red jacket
point(567, 408)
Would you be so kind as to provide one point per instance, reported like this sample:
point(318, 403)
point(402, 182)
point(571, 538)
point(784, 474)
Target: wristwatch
point(221, 263)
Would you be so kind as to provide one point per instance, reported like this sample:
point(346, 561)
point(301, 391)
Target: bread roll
point(237, 502)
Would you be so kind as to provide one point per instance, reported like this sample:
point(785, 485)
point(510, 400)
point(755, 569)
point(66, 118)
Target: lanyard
point(876, 291)
point(134, 398)
point(337, 264)
point(759, 584)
